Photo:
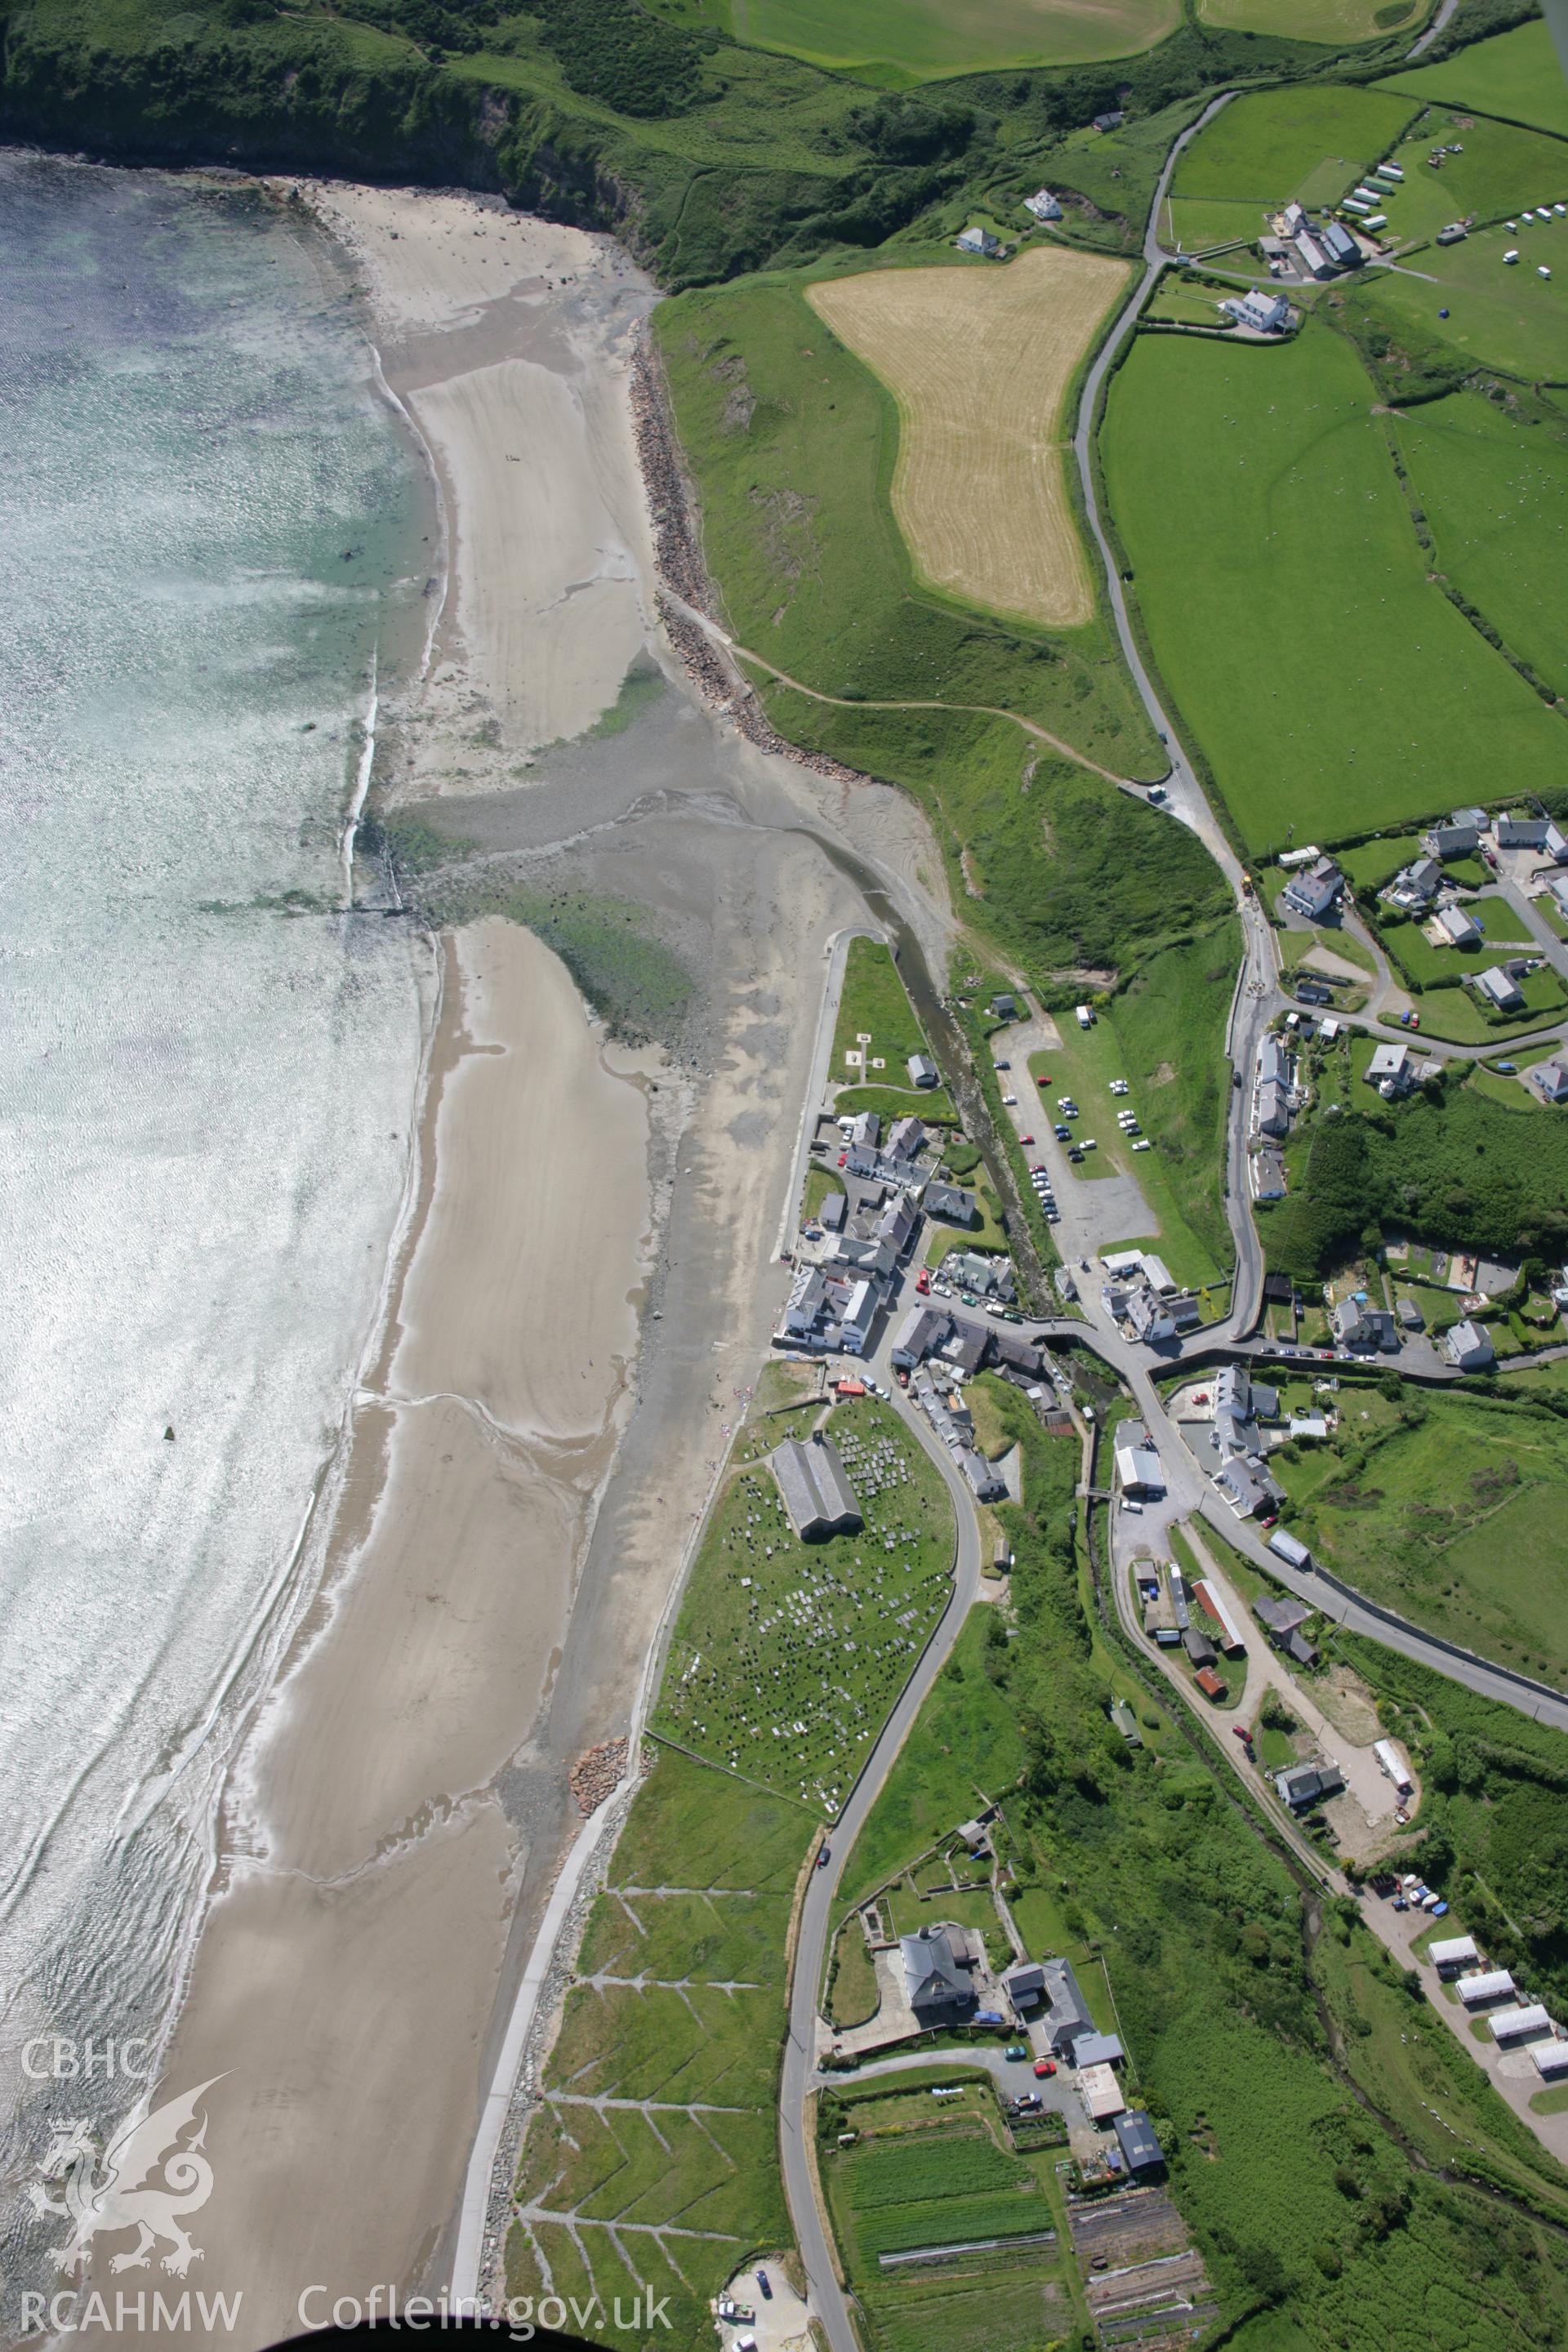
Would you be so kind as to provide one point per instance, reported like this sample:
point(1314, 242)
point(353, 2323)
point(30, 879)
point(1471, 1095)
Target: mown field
point(1499, 170)
point(1515, 75)
point(1500, 315)
point(1286, 485)
point(979, 360)
point(786, 1656)
point(1305, 143)
point(1493, 485)
point(693, 2148)
point(1452, 1517)
point(1334, 21)
point(918, 39)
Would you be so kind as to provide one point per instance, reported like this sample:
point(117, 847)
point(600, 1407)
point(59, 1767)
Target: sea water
point(213, 531)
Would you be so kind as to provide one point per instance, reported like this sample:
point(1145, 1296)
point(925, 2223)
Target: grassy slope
point(792, 442)
point(1286, 485)
point(1500, 169)
point(1494, 487)
point(1319, 20)
point(1451, 1519)
point(1500, 316)
point(693, 1828)
point(1515, 76)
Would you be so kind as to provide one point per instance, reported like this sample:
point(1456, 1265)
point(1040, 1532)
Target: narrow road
point(820, 1904)
point(1439, 23)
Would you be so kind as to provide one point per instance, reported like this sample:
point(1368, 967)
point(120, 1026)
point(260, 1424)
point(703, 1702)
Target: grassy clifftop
point(709, 157)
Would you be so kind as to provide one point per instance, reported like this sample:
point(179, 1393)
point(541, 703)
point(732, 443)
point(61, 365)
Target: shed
point(1290, 1549)
point(1454, 1953)
point(1210, 1684)
point(1198, 1647)
point(1101, 2093)
point(1516, 2024)
point(1488, 1984)
point(1139, 2141)
point(922, 1070)
point(1550, 2057)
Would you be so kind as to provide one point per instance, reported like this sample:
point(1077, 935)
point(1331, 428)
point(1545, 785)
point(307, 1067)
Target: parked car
point(1017, 2050)
point(1002, 1066)
point(1241, 1732)
point(1011, 1102)
point(1142, 1145)
point(1045, 2066)
point(764, 2287)
point(824, 1857)
point(1044, 1079)
point(1025, 1139)
point(1062, 1132)
point(922, 1282)
point(1074, 1153)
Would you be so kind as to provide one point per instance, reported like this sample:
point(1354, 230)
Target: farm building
point(1340, 246)
point(1139, 2142)
point(1550, 2057)
point(922, 1070)
point(1198, 1646)
point(1499, 989)
point(1101, 2093)
point(1454, 1953)
point(1392, 1764)
point(1490, 1984)
point(815, 1488)
point(1466, 1346)
point(1137, 1471)
point(978, 240)
point(1210, 1684)
point(1311, 255)
point(1263, 312)
point(1517, 2023)
point(1283, 1620)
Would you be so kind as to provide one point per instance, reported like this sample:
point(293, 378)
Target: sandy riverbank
point(526, 1462)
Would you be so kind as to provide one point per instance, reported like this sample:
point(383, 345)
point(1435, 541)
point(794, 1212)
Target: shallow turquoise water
point(212, 530)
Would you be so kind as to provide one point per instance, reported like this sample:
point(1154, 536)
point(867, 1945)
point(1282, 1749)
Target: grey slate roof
point(816, 1487)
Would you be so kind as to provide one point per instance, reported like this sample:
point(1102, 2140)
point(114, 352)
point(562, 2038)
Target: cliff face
point(190, 89)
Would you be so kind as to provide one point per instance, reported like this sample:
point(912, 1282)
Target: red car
point(922, 1281)
point(1045, 2065)
point(1242, 1733)
point(1044, 1079)
point(842, 1158)
point(1025, 1139)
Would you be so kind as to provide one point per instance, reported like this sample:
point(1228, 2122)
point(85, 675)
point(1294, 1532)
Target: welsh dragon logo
point(147, 2180)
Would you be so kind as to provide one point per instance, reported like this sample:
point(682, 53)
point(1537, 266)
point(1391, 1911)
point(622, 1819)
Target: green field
point(1453, 1518)
point(1319, 20)
point(874, 1002)
point(916, 40)
point(701, 2154)
point(1119, 170)
point(1182, 303)
point(1516, 76)
point(1500, 315)
point(1494, 485)
point(1500, 169)
point(786, 1656)
point(1308, 142)
point(1286, 482)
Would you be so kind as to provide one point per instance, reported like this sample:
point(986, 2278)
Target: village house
point(938, 1966)
point(1499, 988)
point(1043, 204)
point(1467, 1348)
point(1456, 927)
point(975, 240)
point(1455, 840)
point(1282, 1621)
point(1391, 1071)
point(1312, 891)
point(1300, 1785)
point(951, 1204)
point(1519, 831)
point(1414, 887)
point(1260, 310)
point(1549, 1080)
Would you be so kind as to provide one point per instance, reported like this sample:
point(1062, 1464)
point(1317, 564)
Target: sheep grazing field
point(979, 360)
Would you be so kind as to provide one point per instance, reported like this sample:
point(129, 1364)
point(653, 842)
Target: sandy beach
point(584, 1289)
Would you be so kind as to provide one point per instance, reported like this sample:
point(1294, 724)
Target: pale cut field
point(979, 359)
